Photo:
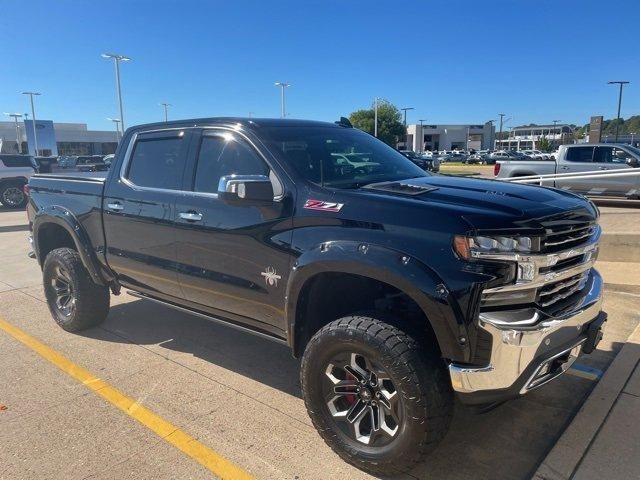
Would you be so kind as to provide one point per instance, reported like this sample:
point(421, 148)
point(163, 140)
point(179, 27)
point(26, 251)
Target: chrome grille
point(562, 236)
point(554, 292)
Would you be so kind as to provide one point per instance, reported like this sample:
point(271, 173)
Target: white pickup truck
point(583, 158)
point(15, 171)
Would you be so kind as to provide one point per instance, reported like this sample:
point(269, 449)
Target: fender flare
point(55, 214)
point(389, 266)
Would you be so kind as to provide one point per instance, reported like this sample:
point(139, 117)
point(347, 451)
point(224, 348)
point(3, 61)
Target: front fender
point(389, 266)
point(66, 219)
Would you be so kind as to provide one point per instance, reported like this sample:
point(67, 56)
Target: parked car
point(583, 158)
point(91, 163)
point(15, 171)
point(67, 161)
point(536, 154)
point(475, 158)
point(396, 287)
point(420, 161)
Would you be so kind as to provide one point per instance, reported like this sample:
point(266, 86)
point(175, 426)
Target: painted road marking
point(583, 371)
point(165, 430)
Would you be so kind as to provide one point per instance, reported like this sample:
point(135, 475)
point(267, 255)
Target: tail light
point(496, 169)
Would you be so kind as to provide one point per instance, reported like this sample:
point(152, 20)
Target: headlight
point(470, 247)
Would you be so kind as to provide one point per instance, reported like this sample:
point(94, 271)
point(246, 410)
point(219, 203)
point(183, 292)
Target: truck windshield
point(339, 157)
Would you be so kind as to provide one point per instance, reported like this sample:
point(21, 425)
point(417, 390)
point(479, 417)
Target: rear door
point(139, 212)
point(609, 158)
point(233, 259)
point(576, 160)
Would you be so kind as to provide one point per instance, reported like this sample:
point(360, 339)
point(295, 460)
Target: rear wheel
point(375, 396)
point(12, 194)
point(75, 301)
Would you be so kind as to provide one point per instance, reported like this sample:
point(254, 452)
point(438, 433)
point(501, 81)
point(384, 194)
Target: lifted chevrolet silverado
point(397, 287)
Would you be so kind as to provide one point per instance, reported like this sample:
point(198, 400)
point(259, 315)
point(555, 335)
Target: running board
point(209, 317)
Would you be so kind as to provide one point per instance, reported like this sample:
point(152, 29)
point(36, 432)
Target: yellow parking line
point(167, 431)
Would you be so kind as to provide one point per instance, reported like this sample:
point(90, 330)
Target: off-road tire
point(419, 376)
point(90, 301)
point(7, 190)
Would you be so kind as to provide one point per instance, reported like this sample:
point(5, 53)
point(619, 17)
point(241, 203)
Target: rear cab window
point(157, 160)
point(579, 154)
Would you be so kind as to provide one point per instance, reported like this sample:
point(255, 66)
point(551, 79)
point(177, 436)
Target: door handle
point(564, 168)
point(116, 206)
point(191, 216)
point(603, 168)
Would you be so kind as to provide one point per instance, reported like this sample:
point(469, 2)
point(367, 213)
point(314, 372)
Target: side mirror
point(245, 189)
point(633, 162)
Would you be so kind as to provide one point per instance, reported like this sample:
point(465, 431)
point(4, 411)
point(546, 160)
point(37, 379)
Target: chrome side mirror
point(245, 188)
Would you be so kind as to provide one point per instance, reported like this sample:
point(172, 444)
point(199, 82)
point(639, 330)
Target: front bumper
point(525, 356)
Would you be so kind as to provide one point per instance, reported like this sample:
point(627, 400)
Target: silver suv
point(15, 171)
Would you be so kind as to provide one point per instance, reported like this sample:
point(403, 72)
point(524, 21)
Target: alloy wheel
point(362, 399)
point(12, 197)
point(63, 289)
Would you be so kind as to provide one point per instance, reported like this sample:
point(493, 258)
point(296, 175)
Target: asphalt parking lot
point(233, 396)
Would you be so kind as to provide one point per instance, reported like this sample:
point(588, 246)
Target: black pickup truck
point(398, 288)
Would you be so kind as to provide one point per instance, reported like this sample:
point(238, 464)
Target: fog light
point(544, 370)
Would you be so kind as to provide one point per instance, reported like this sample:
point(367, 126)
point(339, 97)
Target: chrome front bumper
point(521, 349)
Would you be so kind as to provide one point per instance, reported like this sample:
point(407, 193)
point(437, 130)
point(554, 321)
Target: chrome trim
point(533, 382)
point(519, 336)
point(206, 129)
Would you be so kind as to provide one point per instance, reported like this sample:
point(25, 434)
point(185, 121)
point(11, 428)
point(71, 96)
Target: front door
point(577, 159)
point(233, 258)
point(139, 212)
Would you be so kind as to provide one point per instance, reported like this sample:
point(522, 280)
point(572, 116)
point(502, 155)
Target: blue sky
point(455, 61)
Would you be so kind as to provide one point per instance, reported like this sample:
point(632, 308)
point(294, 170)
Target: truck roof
point(254, 123)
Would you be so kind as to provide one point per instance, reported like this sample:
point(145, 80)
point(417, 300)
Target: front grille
point(555, 292)
point(565, 236)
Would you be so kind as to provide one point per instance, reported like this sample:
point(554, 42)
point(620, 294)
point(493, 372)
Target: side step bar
point(209, 317)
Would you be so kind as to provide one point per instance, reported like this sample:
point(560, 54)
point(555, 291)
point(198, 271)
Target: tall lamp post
point(33, 117)
point(116, 122)
point(116, 60)
point(406, 134)
point(166, 111)
point(422, 134)
point(622, 83)
point(282, 86)
point(502, 115)
point(555, 123)
point(16, 116)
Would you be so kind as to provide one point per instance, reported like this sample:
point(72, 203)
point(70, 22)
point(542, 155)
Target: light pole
point(375, 117)
point(166, 108)
point(622, 83)
point(282, 86)
point(491, 134)
point(33, 116)
point(116, 60)
point(16, 116)
point(502, 115)
point(116, 121)
point(406, 134)
point(422, 134)
point(555, 123)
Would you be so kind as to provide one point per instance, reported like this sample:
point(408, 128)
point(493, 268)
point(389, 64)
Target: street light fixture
point(33, 116)
point(166, 108)
point(116, 60)
point(406, 134)
point(282, 86)
point(622, 83)
point(16, 116)
point(116, 121)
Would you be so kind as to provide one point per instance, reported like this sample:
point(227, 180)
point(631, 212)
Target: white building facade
point(528, 137)
point(429, 137)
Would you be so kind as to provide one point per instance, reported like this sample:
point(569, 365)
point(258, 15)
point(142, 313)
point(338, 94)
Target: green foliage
point(390, 124)
point(544, 145)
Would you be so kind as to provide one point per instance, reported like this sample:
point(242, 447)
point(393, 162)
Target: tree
point(544, 145)
point(390, 126)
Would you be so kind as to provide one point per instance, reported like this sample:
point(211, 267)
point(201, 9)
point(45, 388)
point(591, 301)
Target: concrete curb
point(563, 460)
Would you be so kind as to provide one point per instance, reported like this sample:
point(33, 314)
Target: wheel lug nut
point(377, 394)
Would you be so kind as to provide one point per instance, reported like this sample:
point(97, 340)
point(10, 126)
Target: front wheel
point(375, 396)
point(75, 301)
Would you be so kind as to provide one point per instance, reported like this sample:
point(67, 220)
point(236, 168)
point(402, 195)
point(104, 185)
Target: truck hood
point(491, 203)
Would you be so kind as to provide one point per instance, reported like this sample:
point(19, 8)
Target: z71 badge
point(323, 206)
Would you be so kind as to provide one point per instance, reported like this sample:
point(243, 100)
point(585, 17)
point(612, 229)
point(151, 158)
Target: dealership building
point(56, 138)
point(529, 137)
point(449, 137)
